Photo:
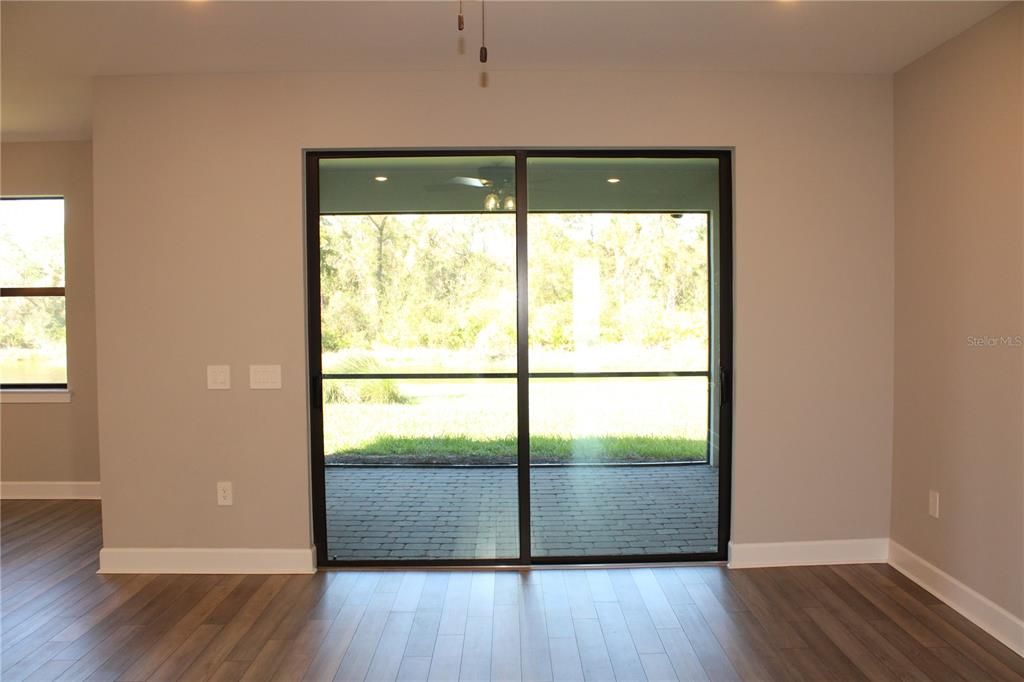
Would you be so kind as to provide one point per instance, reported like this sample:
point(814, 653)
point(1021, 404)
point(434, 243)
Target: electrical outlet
point(218, 377)
point(933, 504)
point(225, 495)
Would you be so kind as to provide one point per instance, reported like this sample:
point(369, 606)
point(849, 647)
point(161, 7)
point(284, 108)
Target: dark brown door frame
point(720, 376)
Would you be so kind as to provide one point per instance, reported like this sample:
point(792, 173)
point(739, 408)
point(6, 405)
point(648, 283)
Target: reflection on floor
point(471, 512)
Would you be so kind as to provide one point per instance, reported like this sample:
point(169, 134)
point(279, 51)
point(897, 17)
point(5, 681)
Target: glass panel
point(628, 493)
point(31, 243)
point(616, 420)
point(32, 340)
point(417, 184)
point(623, 184)
point(421, 507)
point(418, 276)
point(418, 293)
point(449, 421)
point(618, 292)
point(619, 279)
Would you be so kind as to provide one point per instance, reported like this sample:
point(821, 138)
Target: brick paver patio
point(470, 512)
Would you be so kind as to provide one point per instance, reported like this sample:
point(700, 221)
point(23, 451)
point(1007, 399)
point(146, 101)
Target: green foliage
point(543, 450)
point(651, 278)
point(437, 293)
point(31, 255)
point(417, 282)
point(378, 391)
point(31, 323)
point(381, 391)
point(447, 282)
point(334, 393)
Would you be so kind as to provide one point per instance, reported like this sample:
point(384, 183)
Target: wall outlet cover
point(264, 376)
point(218, 377)
point(225, 494)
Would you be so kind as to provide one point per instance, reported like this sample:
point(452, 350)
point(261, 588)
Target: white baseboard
point(50, 490)
point(206, 560)
point(975, 607)
point(816, 552)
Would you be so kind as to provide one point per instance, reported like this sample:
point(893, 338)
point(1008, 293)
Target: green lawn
point(474, 422)
point(543, 450)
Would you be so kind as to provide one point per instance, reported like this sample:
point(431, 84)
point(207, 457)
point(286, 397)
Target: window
point(33, 339)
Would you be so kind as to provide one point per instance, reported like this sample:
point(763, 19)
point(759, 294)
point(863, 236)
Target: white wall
point(960, 274)
point(199, 253)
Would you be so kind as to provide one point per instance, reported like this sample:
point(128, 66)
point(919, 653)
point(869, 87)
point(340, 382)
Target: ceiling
point(51, 50)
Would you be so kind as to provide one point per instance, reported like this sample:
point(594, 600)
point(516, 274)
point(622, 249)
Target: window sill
point(35, 395)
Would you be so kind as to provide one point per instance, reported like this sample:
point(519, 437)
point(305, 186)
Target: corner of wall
point(945, 279)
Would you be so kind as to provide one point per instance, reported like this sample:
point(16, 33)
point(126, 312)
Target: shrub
point(377, 391)
point(336, 392)
point(381, 391)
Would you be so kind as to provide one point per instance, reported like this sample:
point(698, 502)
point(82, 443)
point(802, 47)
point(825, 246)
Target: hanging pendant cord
point(483, 31)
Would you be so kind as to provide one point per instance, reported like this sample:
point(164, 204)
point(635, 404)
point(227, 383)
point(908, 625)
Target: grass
point(543, 450)
point(686, 353)
point(571, 420)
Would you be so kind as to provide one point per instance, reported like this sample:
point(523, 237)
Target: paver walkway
point(459, 513)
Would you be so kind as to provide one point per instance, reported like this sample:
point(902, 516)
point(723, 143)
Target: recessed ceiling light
point(381, 178)
point(614, 180)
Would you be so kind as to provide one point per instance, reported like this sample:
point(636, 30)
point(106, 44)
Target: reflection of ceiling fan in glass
point(496, 181)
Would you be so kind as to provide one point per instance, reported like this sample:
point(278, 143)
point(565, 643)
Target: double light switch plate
point(264, 376)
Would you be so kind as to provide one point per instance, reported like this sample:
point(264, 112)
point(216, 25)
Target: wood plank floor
point(61, 621)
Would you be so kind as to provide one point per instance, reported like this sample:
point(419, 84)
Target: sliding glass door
point(518, 357)
point(619, 340)
point(417, 302)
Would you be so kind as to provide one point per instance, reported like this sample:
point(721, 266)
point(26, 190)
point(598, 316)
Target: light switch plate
point(933, 504)
point(218, 377)
point(264, 376)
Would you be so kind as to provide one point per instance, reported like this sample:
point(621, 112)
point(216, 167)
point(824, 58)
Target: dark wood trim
point(523, 360)
point(513, 375)
point(315, 359)
point(393, 153)
point(35, 292)
point(724, 263)
point(504, 212)
point(518, 563)
point(42, 197)
point(620, 153)
point(722, 373)
point(6, 292)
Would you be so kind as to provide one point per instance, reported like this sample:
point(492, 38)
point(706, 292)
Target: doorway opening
point(519, 356)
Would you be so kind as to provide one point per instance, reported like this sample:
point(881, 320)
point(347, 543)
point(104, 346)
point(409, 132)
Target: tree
point(446, 283)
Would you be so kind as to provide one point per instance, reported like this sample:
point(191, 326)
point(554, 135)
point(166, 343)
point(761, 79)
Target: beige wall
point(58, 442)
point(199, 253)
point(959, 410)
